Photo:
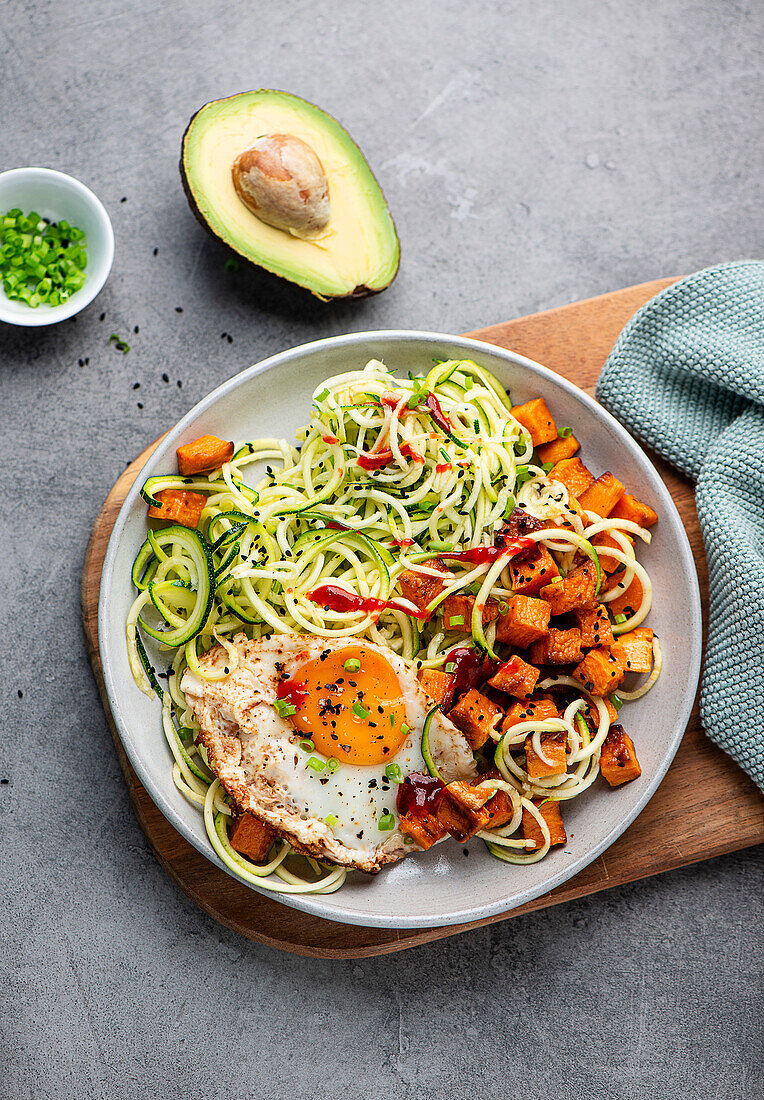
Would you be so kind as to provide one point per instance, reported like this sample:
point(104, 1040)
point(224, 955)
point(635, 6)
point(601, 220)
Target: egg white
point(257, 753)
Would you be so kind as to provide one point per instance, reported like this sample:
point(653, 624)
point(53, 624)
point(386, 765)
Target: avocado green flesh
point(357, 254)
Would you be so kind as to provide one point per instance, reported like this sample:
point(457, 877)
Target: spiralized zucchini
point(388, 473)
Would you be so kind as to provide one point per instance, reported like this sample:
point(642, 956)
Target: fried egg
point(310, 734)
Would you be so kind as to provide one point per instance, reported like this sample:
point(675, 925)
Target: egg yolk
point(355, 714)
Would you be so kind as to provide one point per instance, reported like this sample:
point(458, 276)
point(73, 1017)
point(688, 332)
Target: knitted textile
point(686, 376)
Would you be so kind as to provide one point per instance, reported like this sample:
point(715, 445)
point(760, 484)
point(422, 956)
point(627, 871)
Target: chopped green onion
point(456, 620)
point(413, 401)
point(119, 343)
point(307, 745)
point(405, 729)
point(616, 700)
point(620, 618)
point(444, 454)
point(331, 821)
point(323, 395)
point(451, 667)
point(40, 262)
point(511, 505)
point(469, 382)
point(284, 708)
point(360, 711)
point(316, 764)
point(352, 665)
point(522, 474)
point(547, 467)
point(394, 773)
point(392, 721)
point(332, 764)
point(564, 433)
point(386, 823)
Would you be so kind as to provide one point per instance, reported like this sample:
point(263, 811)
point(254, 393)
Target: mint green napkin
point(686, 376)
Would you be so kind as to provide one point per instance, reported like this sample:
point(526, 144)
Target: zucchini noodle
point(388, 474)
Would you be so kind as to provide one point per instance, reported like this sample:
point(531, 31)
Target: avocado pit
point(282, 181)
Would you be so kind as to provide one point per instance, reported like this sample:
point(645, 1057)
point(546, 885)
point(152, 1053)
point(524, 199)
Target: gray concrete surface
point(532, 153)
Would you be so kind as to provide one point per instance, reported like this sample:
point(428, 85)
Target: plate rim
point(321, 905)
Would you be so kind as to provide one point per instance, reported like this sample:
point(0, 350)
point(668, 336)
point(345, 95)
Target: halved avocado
point(355, 255)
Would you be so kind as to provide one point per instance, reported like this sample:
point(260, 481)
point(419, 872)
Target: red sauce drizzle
point(288, 689)
point(479, 555)
point(372, 460)
point(438, 415)
point(330, 439)
point(472, 668)
point(419, 794)
point(442, 467)
point(334, 598)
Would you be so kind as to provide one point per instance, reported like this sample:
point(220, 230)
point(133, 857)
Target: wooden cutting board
point(705, 806)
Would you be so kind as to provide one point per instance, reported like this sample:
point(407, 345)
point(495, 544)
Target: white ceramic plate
point(438, 887)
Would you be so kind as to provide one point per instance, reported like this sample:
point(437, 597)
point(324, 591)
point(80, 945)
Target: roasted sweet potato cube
point(424, 831)
point(421, 588)
point(635, 649)
point(562, 647)
point(499, 807)
point(477, 717)
point(629, 600)
point(602, 495)
point(574, 592)
point(572, 473)
point(602, 541)
point(618, 760)
point(558, 449)
point(457, 612)
point(519, 524)
point(527, 710)
point(599, 672)
point(525, 620)
point(178, 506)
point(554, 747)
point(531, 574)
point(437, 684)
point(591, 716)
point(251, 837)
point(594, 624)
point(462, 812)
point(203, 455)
point(628, 507)
point(537, 419)
point(550, 811)
point(516, 677)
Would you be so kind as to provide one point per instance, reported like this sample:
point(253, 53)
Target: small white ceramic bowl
point(55, 195)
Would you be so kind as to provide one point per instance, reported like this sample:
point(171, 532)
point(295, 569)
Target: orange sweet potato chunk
point(424, 831)
point(205, 454)
point(635, 649)
point(515, 677)
point(530, 575)
point(558, 449)
point(604, 540)
point(499, 807)
point(477, 717)
point(537, 419)
point(251, 837)
point(420, 588)
point(572, 473)
point(457, 612)
point(628, 601)
point(628, 507)
point(594, 625)
point(602, 495)
point(525, 620)
point(600, 672)
point(574, 592)
point(178, 506)
point(539, 709)
point(560, 647)
point(550, 811)
point(462, 811)
point(437, 684)
point(554, 746)
point(618, 761)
